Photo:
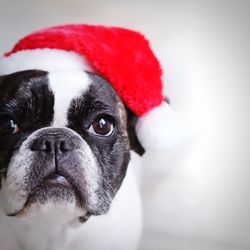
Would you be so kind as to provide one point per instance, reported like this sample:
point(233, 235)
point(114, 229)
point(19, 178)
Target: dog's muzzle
point(55, 142)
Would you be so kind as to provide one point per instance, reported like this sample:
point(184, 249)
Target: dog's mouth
point(57, 180)
point(57, 187)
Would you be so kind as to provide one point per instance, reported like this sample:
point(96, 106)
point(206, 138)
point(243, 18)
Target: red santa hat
point(121, 56)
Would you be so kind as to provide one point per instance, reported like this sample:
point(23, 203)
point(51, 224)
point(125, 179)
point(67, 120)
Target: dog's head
point(65, 140)
point(65, 134)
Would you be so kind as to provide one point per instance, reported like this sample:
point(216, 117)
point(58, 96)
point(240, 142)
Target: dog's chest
point(30, 236)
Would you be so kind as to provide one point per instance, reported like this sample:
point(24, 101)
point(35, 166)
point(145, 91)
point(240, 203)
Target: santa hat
point(121, 56)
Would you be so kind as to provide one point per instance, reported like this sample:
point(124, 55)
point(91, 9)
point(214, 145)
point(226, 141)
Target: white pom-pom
point(161, 129)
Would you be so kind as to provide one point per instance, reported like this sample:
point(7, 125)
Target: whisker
point(106, 181)
point(4, 170)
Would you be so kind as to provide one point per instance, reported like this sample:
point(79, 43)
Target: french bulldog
point(69, 158)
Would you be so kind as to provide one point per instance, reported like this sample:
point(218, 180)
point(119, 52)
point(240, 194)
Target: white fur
point(119, 229)
point(161, 129)
point(66, 85)
point(43, 59)
point(13, 194)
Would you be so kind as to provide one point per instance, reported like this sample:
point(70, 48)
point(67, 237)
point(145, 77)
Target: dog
point(68, 161)
point(79, 105)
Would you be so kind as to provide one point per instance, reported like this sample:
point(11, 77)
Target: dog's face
point(63, 140)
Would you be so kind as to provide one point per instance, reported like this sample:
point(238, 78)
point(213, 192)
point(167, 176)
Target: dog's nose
point(54, 141)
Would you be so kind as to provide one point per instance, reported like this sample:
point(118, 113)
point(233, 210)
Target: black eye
point(8, 126)
point(101, 126)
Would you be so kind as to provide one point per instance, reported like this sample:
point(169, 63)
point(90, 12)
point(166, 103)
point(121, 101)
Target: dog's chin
point(55, 198)
point(55, 188)
point(51, 193)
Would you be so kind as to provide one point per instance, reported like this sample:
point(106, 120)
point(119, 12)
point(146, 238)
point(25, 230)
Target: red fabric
point(120, 55)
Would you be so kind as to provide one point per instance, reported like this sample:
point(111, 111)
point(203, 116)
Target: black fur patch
point(113, 152)
point(27, 100)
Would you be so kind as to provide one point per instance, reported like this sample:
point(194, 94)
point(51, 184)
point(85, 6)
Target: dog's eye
point(101, 126)
point(8, 126)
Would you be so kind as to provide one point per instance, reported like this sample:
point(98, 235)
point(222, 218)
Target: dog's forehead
point(54, 96)
point(72, 88)
point(66, 86)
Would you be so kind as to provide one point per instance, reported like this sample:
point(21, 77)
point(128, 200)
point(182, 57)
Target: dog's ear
point(135, 145)
point(131, 127)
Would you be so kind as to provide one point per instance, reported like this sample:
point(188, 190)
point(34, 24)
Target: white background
point(197, 198)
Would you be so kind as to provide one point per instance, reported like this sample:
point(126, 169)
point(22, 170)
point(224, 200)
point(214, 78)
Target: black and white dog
point(71, 140)
point(65, 150)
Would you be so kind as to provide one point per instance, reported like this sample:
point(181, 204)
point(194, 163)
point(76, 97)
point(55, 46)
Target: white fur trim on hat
point(43, 59)
point(161, 129)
